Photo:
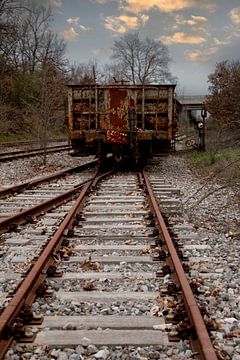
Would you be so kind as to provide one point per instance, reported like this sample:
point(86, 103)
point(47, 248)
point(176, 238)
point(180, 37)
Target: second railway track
point(28, 199)
point(20, 154)
point(116, 297)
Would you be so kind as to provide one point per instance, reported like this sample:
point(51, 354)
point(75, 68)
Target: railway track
point(27, 144)
point(20, 203)
point(20, 154)
point(107, 280)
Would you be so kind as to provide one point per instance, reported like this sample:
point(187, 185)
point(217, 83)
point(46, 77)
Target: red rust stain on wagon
point(118, 109)
point(116, 137)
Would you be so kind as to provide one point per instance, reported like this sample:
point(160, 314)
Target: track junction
point(110, 252)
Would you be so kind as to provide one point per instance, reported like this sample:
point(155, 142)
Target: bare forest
point(34, 70)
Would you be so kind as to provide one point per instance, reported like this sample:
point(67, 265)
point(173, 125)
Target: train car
point(121, 121)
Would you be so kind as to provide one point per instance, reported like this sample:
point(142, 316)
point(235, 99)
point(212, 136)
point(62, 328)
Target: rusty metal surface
point(204, 344)
point(29, 184)
point(22, 217)
point(29, 282)
point(25, 294)
point(32, 152)
point(116, 137)
point(118, 102)
point(123, 108)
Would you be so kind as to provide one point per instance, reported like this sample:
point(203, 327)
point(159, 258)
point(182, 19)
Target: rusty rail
point(41, 180)
point(23, 216)
point(23, 295)
point(30, 143)
point(27, 153)
point(204, 344)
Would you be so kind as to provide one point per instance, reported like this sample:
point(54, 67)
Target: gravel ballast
point(215, 218)
point(22, 170)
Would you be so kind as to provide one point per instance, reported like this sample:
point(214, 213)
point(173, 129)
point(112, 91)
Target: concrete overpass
point(191, 102)
point(192, 118)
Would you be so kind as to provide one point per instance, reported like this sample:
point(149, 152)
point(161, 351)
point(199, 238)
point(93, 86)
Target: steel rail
point(11, 312)
point(33, 152)
point(205, 345)
point(24, 292)
point(29, 184)
point(29, 143)
point(25, 151)
point(23, 216)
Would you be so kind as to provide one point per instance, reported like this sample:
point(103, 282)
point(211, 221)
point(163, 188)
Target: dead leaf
point(215, 292)
point(129, 242)
point(2, 240)
point(68, 250)
point(89, 286)
point(146, 251)
point(88, 265)
point(170, 302)
point(155, 311)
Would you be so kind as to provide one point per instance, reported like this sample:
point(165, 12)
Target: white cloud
point(56, 3)
point(85, 28)
point(123, 23)
point(70, 34)
point(98, 51)
point(235, 15)
point(74, 21)
point(101, 1)
point(144, 19)
point(182, 38)
point(236, 33)
point(194, 20)
point(200, 55)
point(218, 42)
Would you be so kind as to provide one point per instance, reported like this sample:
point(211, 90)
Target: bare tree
point(28, 39)
point(32, 64)
point(38, 43)
point(112, 73)
point(84, 73)
point(223, 102)
point(142, 61)
point(42, 95)
point(8, 39)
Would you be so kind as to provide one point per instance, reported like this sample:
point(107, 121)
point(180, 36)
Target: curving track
point(119, 288)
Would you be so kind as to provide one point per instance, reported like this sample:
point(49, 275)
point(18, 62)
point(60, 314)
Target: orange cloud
point(136, 6)
point(200, 55)
point(70, 34)
point(235, 15)
point(182, 38)
point(123, 23)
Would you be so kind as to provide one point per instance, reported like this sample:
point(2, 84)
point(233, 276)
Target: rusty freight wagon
point(121, 121)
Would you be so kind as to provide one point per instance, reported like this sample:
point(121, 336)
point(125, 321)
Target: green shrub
point(208, 158)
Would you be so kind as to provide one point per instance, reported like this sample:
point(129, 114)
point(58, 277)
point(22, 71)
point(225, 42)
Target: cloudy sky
point(198, 33)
